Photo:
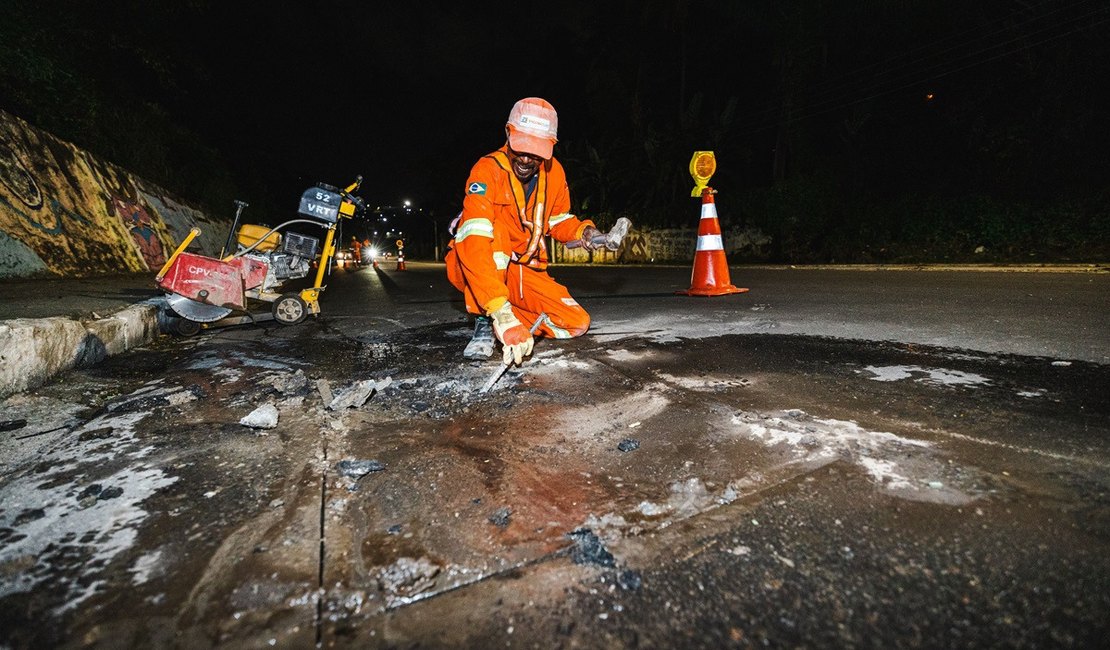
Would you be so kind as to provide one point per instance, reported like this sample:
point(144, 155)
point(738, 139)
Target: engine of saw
point(203, 289)
point(287, 256)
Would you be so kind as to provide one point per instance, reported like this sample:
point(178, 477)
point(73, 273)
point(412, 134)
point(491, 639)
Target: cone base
point(712, 291)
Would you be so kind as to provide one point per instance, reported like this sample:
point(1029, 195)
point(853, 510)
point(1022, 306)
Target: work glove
point(516, 340)
point(588, 235)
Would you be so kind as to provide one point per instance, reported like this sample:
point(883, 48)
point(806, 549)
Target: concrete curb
point(32, 350)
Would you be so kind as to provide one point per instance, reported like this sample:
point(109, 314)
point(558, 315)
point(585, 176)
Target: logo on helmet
point(534, 123)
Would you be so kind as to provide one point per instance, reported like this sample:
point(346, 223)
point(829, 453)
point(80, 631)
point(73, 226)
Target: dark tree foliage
point(105, 76)
point(851, 130)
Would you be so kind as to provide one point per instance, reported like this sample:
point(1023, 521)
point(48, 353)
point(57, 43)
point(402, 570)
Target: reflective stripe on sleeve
point(480, 227)
point(710, 243)
point(500, 260)
point(559, 218)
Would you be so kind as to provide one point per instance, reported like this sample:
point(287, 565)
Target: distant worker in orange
point(366, 250)
point(515, 198)
point(356, 250)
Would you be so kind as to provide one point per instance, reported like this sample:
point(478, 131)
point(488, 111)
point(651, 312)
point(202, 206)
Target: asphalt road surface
point(836, 458)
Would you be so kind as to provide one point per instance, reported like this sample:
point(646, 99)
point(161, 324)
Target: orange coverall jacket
point(499, 252)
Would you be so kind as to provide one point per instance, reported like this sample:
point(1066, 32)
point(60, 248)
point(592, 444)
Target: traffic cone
point(400, 261)
point(710, 276)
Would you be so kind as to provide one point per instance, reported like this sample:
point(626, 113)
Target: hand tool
point(610, 240)
point(505, 366)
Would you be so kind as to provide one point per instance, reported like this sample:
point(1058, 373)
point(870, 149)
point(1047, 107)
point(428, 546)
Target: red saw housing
point(213, 281)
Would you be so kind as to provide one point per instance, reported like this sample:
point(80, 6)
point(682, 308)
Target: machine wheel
point(171, 323)
point(186, 327)
point(290, 309)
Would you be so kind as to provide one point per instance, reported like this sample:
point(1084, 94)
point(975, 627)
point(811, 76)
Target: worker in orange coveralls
point(356, 250)
point(515, 197)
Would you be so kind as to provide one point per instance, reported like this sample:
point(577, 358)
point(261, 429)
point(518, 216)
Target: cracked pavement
point(783, 489)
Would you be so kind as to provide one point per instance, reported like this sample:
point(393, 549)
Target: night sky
point(846, 99)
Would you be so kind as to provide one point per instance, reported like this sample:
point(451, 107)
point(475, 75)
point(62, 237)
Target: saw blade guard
point(195, 311)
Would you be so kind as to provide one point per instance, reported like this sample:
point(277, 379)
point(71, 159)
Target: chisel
point(505, 366)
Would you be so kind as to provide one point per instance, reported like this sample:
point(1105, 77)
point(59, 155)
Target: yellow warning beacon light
point(702, 167)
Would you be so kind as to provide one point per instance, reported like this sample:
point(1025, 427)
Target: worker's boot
point(481, 344)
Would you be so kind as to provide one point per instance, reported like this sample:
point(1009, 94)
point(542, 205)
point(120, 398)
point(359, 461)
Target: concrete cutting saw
point(204, 291)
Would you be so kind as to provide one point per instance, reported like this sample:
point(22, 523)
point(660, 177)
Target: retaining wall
point(64, 211)
point(665, 245)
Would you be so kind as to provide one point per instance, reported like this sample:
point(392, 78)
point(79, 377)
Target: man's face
point(525, 165)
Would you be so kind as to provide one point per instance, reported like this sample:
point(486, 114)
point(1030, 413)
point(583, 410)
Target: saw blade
point(195, 311)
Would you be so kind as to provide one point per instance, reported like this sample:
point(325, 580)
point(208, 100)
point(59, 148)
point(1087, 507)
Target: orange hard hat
point(533, 127)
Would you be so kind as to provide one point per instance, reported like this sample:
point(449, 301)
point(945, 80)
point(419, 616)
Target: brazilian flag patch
point(476, 188)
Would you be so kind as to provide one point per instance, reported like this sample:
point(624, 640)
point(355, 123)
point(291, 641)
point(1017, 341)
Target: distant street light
point(401, 213)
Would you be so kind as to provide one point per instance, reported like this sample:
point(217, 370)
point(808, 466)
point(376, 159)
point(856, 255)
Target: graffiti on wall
point(141, 226)
point(49, 218)
point(14, 176)
point(180, 218)
point(635, 247)
point(644, 246)
point(66, 212)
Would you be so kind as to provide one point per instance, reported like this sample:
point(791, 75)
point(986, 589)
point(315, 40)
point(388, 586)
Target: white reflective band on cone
point(708, 211)
point(710, 243)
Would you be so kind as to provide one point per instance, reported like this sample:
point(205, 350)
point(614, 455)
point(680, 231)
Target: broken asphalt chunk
point(291, 384)
point(588, 549)
point(501, 517)
point(263, 417)
point(96, 492)
point(630, 580)
point(88, 497)
point(628, 444)
point(358, 468)
point(110, 493)
point(356, 394)
point(324, 390)
point(407, 577)
point(90, 491)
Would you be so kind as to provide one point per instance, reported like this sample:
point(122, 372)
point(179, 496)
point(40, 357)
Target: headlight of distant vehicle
point(373, 252)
